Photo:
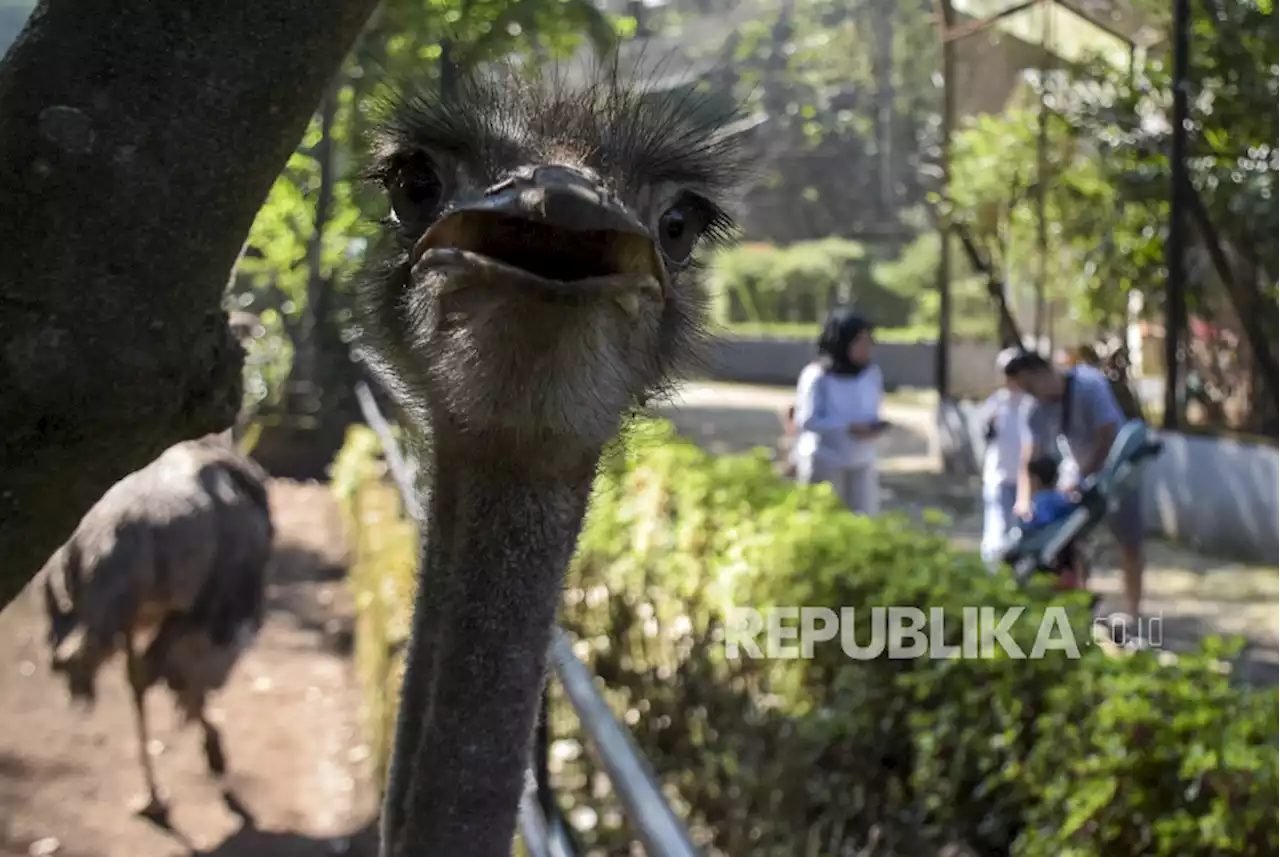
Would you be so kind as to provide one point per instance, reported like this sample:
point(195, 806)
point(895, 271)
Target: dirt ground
point(296, 785)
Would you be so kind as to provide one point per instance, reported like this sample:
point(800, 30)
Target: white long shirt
point(826, 404)
point(1009, 411)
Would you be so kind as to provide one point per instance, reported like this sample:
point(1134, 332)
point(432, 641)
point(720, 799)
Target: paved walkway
point(1194, 595)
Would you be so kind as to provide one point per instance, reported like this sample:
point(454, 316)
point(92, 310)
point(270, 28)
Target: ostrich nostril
point(509, 181)
point(558, 174)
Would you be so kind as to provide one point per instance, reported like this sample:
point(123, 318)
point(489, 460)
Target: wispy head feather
point(617, 123)
point(640, 140)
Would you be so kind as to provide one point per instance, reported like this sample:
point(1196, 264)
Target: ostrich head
point(534, 289)
point(543, 238)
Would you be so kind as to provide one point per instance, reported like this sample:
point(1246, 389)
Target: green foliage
point(848, 94)
point(787, 290)
point(274, 275)
point(1233, 161)
point(914, 276)
point(382, 577)
point(763, 283)
point(1001, 754)
point(285, 268)
point(414, 36)
point(994, 194)
point(1107, 184)
point(1096, 755)
point(267, 360)
point(809, 330)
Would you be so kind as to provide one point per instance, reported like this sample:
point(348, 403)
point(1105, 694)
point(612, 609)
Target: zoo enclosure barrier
point(542, 825)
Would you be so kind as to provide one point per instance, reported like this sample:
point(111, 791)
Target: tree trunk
point(1245, 297)
point(1040, 319)
point(882, 61)
point(304, 364)
point(139, 141)
point(1006, 325)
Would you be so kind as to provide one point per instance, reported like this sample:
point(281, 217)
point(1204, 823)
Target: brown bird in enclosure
point(169, 566)
point(535, 286)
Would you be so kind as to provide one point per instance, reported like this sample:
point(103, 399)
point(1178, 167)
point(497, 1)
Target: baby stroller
point(1055, 548)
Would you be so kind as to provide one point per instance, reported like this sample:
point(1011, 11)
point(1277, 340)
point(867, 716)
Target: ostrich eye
point(680, 227)
point(415, 189)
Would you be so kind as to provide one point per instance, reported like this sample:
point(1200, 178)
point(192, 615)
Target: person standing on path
point(1004, 417)
point(1075, 417)
point(837, 416)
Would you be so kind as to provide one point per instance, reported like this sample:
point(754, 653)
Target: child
point(1004, 414)
point(1048, 506)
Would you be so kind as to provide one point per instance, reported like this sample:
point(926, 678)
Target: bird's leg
point(150, 806)
point(213, 754)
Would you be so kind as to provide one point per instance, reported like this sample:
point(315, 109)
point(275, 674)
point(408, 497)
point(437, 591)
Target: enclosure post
point(1042, 173)
point(1175, 296)
point(942, 365)
point(542, 753)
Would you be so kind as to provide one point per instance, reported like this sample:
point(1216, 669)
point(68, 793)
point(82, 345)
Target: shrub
point(914, 276)
point(1095, 755)
point(382, 577)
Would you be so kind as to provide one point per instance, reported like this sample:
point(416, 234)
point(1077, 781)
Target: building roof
point(1070, 29)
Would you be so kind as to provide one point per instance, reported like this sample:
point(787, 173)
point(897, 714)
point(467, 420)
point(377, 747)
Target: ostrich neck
point(499, 537)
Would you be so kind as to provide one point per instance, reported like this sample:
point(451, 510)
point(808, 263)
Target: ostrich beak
point(556, 226)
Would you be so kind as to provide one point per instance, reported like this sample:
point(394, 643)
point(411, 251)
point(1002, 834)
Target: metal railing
point(542, 826)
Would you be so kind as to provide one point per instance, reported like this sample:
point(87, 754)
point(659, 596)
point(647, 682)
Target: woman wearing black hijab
point(837, 417)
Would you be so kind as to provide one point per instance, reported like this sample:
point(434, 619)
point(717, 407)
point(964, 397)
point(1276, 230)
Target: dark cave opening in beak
point(549, 252)
point(541, 248)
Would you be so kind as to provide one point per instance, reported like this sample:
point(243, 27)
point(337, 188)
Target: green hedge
point(1100, 755)
point(914, 275)
point(384, 551)
point(787, 290)
point(799, 283)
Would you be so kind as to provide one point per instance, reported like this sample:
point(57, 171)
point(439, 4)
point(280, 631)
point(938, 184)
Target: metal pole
point(656, 826)
point(533, 826)
point(1175, 295)
point(400, 470)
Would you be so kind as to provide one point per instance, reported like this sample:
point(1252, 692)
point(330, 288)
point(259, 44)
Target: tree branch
point(305, 353)
point(1244, 296)
point(1010, 335)
point(139, 141)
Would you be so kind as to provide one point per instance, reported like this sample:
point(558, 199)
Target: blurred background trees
point(313, 231)
point(1059, 175)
